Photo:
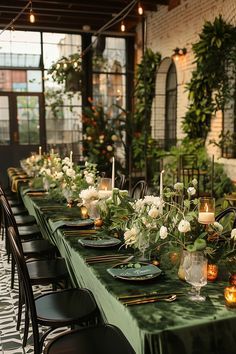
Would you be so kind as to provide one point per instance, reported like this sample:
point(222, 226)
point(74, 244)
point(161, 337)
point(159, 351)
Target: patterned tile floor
point(10, 338)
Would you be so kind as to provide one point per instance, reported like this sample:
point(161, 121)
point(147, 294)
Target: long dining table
point(179, 327)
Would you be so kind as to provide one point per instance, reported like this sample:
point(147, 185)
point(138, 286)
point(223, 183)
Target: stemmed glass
point(196, 274)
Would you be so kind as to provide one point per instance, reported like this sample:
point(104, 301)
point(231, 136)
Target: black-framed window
point(171, 107)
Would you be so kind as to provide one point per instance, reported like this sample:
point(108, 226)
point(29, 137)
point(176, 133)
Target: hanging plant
point(211, 84)
point(68, 71)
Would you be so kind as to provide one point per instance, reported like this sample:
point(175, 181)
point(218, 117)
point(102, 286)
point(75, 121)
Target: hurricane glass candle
point(206, 214)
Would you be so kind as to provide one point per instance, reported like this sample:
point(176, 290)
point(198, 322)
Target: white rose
point(90, 193)
point(179, 186)
point(163, 232)
point(65, 168)
point(109, 148)
point(89, 178)
point(184, 226)
point(153, 212)
point(70, 173)
point(130, 236)
point(233, 234)
point(152, 200)
point(195, 182)
point(191, 190)
point(59, 175)
point(218, 226)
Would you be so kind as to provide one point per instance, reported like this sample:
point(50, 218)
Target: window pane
point(14, 49)
point(109, 89)
point(109, 54)
point(20, 80)
point(28, 119)
point(4, 121)
point(56, 45)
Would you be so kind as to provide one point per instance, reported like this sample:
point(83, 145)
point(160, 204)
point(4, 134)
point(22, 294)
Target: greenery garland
point(211, 85)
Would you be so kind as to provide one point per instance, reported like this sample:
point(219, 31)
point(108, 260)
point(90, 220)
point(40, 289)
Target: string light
point(140, 9)
point(11, 24)
point(122, 27)
point(31, 16)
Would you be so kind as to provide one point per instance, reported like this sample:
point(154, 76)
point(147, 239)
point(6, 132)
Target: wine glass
point(196, 274)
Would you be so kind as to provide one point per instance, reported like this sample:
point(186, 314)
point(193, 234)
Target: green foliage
point(222, 183)
point(143, 146)
point(145, 89)
point(101, 133)
point(211, 85)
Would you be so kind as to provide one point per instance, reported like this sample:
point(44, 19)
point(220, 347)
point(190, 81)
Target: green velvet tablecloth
point(180, 327)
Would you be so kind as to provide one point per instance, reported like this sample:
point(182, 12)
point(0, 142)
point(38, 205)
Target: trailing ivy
point(211, 84)
point(143, 146)
point(145, 89)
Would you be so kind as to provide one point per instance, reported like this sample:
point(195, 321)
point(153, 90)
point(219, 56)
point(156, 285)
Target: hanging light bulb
point(31, 16)
point(140, 9)
point(122, 27)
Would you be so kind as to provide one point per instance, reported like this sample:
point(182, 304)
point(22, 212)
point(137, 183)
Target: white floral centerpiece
point(171, 221)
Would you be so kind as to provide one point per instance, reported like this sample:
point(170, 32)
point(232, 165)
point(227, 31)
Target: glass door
point(22, 128)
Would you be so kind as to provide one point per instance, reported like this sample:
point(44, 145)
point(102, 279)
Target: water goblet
point(196, 274)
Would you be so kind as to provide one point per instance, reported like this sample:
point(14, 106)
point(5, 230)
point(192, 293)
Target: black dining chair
point(139, 190)
point(105, 339)
point(229, 214)
point(120, 181)
point(33, 248)
point(64, 308)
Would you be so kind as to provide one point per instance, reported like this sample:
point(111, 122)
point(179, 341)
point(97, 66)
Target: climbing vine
point(213, 80)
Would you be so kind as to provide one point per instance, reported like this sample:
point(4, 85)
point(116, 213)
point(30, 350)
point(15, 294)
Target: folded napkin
point(144, 270)
point(76, 223)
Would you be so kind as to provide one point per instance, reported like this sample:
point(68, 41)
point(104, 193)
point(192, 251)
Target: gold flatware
point(169, 298)
point(107, 258)
point(147, 295)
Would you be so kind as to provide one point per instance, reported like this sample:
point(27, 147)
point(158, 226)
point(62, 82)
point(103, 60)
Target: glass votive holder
point(212, 272)
point(230, 296)
point(84, 212)
point(232, 279)
point(206, 211)
point(105, 184)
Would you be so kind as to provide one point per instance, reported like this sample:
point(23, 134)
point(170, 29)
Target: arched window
point(171, 107)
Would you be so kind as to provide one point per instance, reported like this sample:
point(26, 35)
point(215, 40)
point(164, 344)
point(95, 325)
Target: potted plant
point(67, 71)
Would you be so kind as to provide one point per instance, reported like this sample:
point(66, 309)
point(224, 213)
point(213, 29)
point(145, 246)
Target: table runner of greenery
point(180, 327)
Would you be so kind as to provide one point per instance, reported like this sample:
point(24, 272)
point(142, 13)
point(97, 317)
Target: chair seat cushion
point(24, 219)
point(37, 247)
point(67, 306)
point(104, 339)
point(19, 210)
point(47, 271)
point(29, 230)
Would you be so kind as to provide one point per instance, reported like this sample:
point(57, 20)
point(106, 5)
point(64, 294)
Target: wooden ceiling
point(73, 15)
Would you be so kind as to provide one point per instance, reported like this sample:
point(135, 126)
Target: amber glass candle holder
point(212, 272)
point(206, 211)
point(230, 296)
point(232, 279)
point(84, 212)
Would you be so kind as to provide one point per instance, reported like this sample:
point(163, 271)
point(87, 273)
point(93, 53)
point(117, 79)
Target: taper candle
point(161, 191)
point(71, 154)
point(40, 150)
point(113, 173)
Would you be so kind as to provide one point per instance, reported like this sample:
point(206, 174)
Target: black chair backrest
point(9, 219)
point(120, 181)
point(25, 279)
point(228, 212)
point(139, 190)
